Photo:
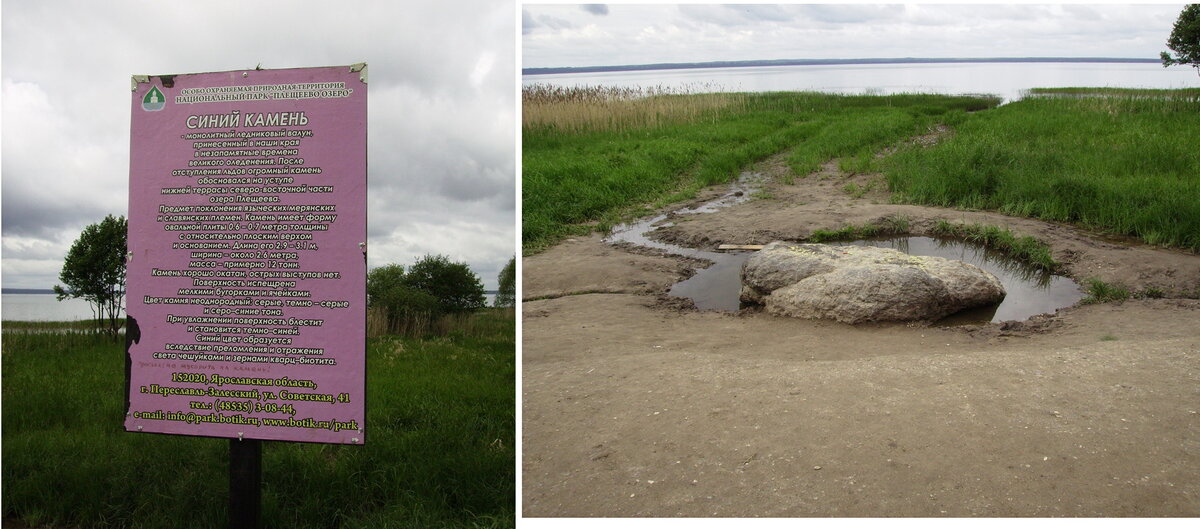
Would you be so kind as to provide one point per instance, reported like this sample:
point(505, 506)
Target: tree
point(1185, 39)
point(430, 288)
point(383, 279)
point(455, 286)
point(506, 297)
point(386, 288)
point(95, 270)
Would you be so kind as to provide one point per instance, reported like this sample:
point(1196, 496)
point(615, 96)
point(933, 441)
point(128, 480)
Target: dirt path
point(636, 406)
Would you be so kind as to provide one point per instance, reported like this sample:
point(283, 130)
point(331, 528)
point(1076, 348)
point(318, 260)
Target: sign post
point(246, 272)
point(245, 483)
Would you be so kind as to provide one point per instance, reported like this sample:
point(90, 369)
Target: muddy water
point(708, 294)
point(1030, 291)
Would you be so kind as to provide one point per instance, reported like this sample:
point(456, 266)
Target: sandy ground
point(635, 405)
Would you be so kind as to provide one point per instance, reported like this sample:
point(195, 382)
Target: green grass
point(1120, 161)
point(573, 180)
point(1123, 164)
point(1100, 292)
point(439, 452)
point(1108, 92)
point(1150, 293)
point(854, 190)
point(896, 225)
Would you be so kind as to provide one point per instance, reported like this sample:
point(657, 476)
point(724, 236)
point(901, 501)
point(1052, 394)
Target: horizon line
point(819, 62)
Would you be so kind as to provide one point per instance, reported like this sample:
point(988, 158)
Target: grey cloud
point(467, 181)
point(441, 123)
point(528, 24)
point(32, 273)
point(850, 13)
point(736, 15)
point(400, 48)
point(710, 14)
point(1082, 12)
point(596, 9)
point(34, 214)
point(739, 15)
point(771, 13)
point(555, 23)
point(402, 228)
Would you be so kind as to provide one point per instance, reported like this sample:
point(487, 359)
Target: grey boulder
point(856, 284)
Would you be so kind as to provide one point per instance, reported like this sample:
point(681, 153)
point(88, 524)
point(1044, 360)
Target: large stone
point(855, 284)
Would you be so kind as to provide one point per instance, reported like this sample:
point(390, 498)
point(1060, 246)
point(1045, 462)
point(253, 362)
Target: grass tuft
point(1150, 293)
point(892, 225)
point(1025, 248)
point(854, 190)
point(1100, 292)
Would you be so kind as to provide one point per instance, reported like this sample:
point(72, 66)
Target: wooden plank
point(740, 247)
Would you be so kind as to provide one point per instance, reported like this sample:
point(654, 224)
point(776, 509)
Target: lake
point(1007, 80)
point(43, 307)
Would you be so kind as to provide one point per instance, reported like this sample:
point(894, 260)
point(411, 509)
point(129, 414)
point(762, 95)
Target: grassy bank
point(440, 448)
point(1185, 93)
point(1120, 161)
point(575, 176)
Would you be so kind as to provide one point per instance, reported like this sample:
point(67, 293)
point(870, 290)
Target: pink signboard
point(246, 277)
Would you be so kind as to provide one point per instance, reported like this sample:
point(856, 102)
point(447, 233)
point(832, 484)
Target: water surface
point(1007, 80)
point(43, 307)
point(1031, 290)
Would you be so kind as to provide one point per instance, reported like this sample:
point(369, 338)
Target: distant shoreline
point(821, 62)
point(26, 291)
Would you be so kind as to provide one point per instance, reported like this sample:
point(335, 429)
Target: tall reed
point(606, 108)
point(420, 324)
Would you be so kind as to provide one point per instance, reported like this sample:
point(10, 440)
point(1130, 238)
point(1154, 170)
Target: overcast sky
point(614, 34)
point(441, 113)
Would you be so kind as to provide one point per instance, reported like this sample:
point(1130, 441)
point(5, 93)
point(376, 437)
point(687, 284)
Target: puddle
point(717, 287)
point(707, 293)
point(739, 191)
point(1030, 291)
point(635, 233)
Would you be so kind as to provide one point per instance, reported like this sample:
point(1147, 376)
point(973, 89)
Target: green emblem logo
point(154, 100)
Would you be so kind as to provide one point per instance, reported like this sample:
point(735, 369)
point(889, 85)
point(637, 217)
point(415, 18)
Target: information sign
point(246, 277)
